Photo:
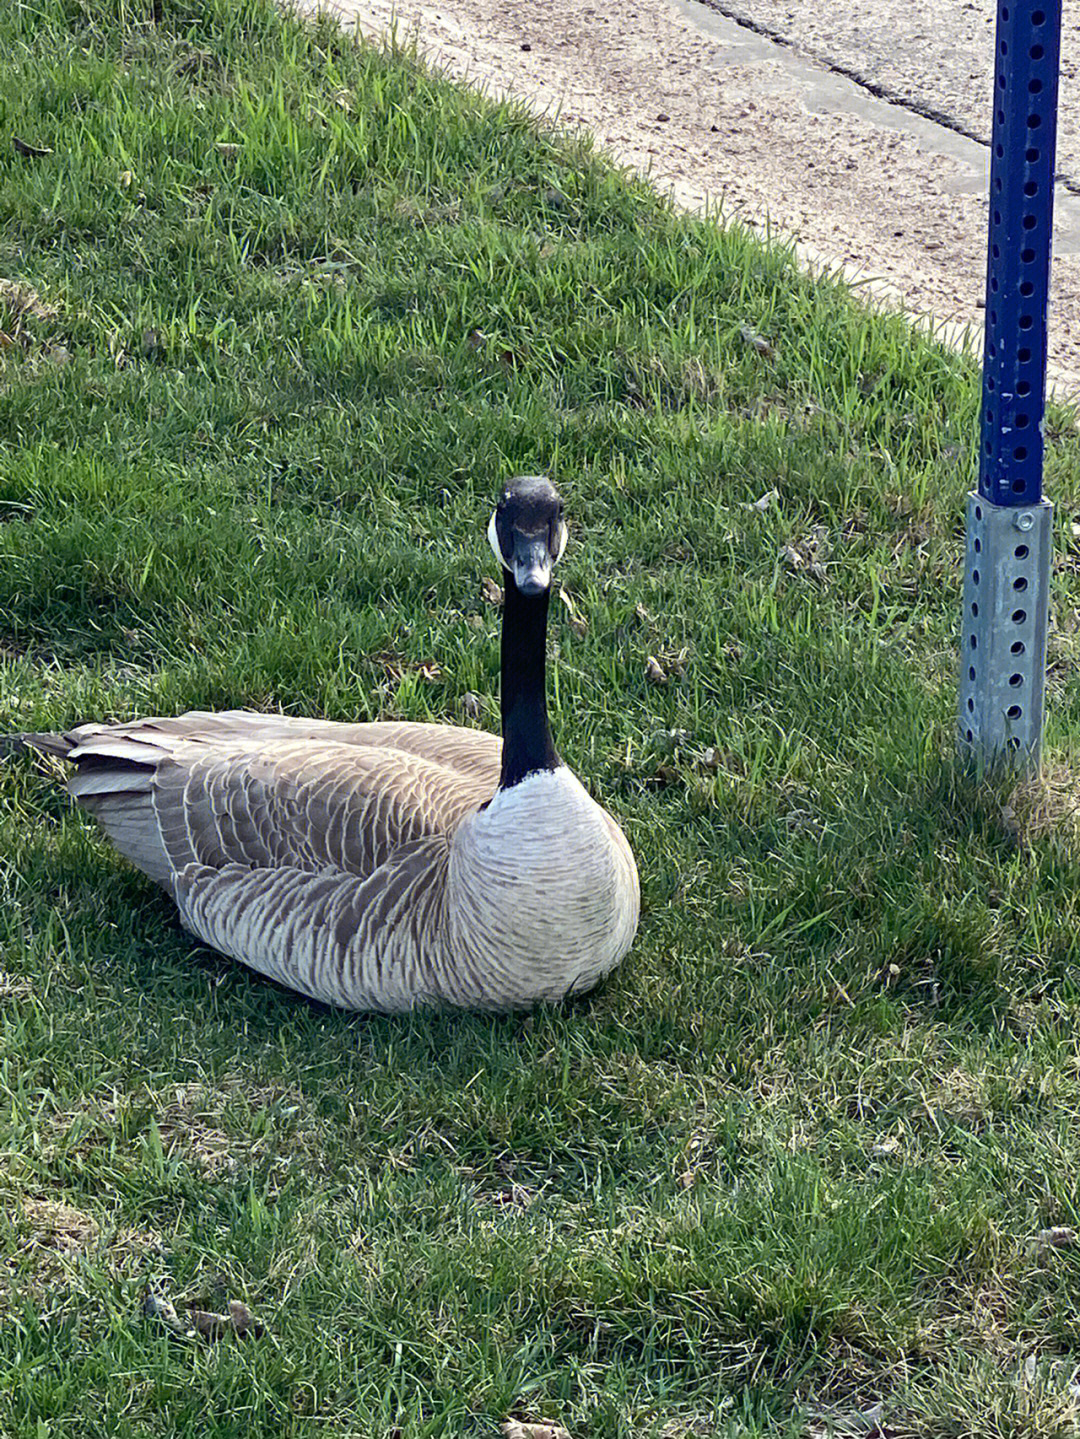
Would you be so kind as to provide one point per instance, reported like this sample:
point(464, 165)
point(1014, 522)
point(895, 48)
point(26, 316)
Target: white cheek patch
point(493, 541)
point(560, 540)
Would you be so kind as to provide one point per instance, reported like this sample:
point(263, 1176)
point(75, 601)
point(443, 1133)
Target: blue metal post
point(1007, 576)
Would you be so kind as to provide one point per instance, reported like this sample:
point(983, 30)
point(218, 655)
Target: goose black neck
point(527, 743)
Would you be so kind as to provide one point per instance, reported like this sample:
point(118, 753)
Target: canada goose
point(388, 865)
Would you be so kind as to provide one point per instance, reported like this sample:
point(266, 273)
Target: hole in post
point(978, 545)
point(975, 576)
point(1019, 648)
point(970, 736)
point(1019, 616)
point(1020, 453)
point(1023, 388)
point(978, 512)
point(1037, 17)
point(974, 610)
point(1015, 681)
point(1034, 121)
point(1031, 155)
point(1020, 584)
point(1026, 288)
point(998, 151)
point(1014, 712)
point(971, 673)
point(1021, 552)
point(1023, 355)
point(1030, 222)
point(1022, 422)
point(1027, 256)
point(971, 707)
point(1034, 87)
point(990, 383)
point(973, 642)
point(1036, 52)
point(1018, 487)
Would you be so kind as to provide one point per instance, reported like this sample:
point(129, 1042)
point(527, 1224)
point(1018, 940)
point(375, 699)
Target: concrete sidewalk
point(936, 56)
point(715, 113)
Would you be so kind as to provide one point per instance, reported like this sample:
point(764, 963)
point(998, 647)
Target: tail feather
point(59, 745)
point(113, 781)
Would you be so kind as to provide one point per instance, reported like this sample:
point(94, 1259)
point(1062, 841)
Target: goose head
point(527, 532)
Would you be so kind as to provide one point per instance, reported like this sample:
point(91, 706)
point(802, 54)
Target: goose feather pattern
point(382, 866)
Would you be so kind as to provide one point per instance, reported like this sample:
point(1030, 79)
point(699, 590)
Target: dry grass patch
point(1045, 806)
point(53, 1237)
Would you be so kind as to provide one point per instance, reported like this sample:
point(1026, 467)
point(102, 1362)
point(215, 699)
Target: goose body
point(382, 866)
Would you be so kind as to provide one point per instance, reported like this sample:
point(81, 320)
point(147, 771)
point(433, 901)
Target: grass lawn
point(278, 314)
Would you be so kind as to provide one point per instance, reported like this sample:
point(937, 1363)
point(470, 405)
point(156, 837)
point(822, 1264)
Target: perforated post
point(1008, 561)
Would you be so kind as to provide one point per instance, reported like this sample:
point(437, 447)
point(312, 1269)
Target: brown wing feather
point(336, 807)
point(270, 790)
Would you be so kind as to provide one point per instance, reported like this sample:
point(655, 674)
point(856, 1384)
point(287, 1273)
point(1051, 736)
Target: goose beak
point(532, 564)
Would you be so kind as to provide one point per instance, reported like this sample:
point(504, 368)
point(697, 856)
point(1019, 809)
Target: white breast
point(542, 893)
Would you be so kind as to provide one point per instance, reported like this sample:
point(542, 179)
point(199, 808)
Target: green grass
point(789, 1161)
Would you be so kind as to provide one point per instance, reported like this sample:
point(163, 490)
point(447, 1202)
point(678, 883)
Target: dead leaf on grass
point(490, 591)
point(756, 341)
point(28, 151)
point(762, 504)
point(687, 1429)
point(809, 553)
point(516, 1197)
point(655, 672)
point(395, 668)
point(533, 1429)
point(860, 1424)
point(1060, 1236)
point(578, 623)
point(669, 740)
point(471, 705)
point(238, 1320)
